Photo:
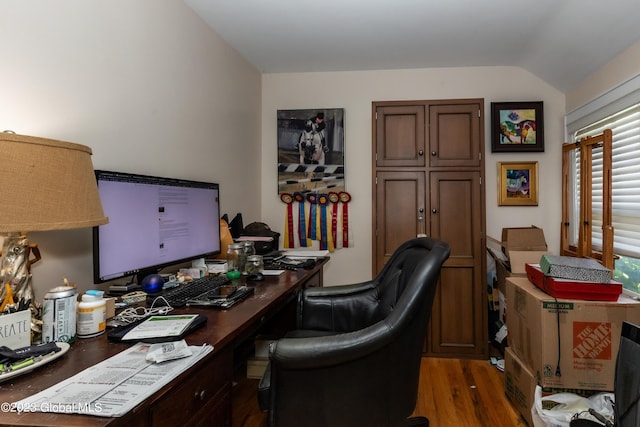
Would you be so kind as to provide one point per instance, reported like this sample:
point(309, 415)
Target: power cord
point(133, 314)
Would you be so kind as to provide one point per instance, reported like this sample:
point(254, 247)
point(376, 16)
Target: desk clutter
point(119, 383)
point(561, 317)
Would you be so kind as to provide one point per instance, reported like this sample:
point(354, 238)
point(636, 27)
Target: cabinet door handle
point(200, 394)
point(433, 154)
point(434, 211)
point(420, 152)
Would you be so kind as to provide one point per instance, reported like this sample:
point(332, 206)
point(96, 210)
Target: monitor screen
point(154, 222)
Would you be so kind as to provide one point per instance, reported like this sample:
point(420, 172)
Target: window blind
point(625, 127)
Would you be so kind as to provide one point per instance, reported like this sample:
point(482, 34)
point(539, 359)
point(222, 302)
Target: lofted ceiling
point(560, 41)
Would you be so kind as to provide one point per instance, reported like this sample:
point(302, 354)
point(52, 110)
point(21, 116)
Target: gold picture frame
point(518, 183)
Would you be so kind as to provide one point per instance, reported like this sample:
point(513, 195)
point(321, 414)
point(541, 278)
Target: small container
point(249, 250)
point(235, 257)
point(255, 264)
point(92, 314)
point(59, 314)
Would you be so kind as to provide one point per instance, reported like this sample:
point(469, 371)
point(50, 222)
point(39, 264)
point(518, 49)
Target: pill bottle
point(92, 313)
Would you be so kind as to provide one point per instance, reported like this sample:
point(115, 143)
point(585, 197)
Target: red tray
point(573, 289)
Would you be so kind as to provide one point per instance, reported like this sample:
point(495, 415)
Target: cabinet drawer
point(206, 389)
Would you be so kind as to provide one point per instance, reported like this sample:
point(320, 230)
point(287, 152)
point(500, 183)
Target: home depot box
point(523, 245)
point(519, 384)
point(570, 344)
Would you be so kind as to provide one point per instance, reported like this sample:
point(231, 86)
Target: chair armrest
point(331, 350)
point(338, 308)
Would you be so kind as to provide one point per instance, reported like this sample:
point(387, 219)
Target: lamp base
point(15, 273)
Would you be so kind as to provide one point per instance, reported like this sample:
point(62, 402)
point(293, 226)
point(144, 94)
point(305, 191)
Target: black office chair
point(355, 359)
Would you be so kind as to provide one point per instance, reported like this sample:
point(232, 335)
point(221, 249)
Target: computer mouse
point(256, 277)
point(152, 283)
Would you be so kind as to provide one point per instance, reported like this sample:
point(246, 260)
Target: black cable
point(558, 373)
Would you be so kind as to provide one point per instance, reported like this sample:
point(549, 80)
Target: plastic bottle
point(92, 313)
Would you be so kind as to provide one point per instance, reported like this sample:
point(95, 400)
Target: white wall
point(622, 68)
point(355, 91)
point(147, 85)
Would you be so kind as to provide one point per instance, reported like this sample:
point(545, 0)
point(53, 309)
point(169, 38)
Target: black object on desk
point(118, 334)
point(178, 296)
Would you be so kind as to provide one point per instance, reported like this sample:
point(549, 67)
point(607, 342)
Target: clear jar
point(255, 264)
point(249, 250)
point(235, 257)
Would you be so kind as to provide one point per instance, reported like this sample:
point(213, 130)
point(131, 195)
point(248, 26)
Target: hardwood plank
point(452, 392)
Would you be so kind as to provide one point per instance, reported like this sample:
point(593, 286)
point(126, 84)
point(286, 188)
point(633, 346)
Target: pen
point(20, 364)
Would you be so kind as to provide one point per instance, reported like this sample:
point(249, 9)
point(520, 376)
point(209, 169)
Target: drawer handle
point(200, 395)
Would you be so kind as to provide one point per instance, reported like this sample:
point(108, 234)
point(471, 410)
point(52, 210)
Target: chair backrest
point(407, 268)
point(627, 377)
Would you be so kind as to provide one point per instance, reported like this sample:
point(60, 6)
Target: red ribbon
point(334, 198)
point(345, 198)
point(288, 199)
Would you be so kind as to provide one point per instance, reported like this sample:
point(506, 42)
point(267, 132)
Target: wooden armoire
point(428, 171)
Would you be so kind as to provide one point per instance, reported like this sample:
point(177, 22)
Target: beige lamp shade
point(46, 185)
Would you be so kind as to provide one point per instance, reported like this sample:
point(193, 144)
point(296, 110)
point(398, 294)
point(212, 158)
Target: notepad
point(171, 326)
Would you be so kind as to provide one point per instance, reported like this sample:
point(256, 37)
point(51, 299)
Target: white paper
point(166, 351)
point(113, 387)
point(272, 272)
point(305, 254)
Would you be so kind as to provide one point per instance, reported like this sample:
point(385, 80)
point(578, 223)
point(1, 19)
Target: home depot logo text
point(592, 340)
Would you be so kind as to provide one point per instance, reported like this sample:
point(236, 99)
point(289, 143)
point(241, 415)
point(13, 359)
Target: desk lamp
point(44, 185)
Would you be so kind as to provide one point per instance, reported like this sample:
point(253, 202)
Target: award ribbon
point(313, 216)
point(302, 227)
point(289, 241)
point(345, 198)
point(334, 199)
point(325, 239)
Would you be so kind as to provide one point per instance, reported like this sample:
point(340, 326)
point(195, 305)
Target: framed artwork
point(311, 150)
point(518, 183)
point(517, 127)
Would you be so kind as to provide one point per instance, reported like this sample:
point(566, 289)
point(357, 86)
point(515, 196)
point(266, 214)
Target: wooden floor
point(453, 392)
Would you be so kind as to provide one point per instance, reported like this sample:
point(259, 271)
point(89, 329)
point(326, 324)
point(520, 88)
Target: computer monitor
point(154, 222)
point(627, 377)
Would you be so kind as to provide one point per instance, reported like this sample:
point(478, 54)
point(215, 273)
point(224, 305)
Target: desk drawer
point(204, 395)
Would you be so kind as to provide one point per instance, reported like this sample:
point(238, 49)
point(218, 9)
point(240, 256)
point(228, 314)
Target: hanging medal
point(289, 241)
point(302, 226)
point(334, 199)
point(313, 216)
point(345, 198)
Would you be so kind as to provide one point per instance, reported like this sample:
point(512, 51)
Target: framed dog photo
point(518, 183)
point(311, 150)
point(517, 127)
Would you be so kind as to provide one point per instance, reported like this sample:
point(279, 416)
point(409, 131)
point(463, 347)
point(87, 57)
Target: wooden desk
point(199, 396)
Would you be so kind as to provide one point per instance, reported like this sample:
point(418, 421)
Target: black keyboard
point(178, 296)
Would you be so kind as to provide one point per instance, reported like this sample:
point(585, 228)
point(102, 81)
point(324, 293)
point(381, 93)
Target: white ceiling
point(560, 41)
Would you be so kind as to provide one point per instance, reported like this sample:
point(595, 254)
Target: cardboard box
point(503, 270)
point(256, 367)
point(519, 384)
point(523, 245)
point(577, 339)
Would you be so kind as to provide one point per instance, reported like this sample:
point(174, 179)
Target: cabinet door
point(400, 135)
point(458, 321)
point(400, 196)
point(455, 134)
